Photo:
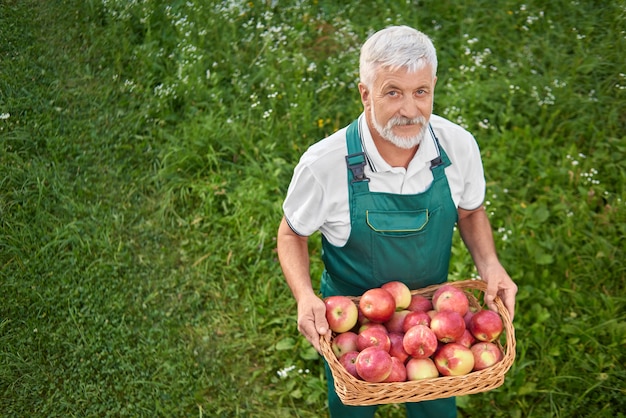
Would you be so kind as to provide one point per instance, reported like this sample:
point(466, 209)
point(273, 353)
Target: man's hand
point(476, 233)
point(312, 319)
point(294, 260)
point(499, 284)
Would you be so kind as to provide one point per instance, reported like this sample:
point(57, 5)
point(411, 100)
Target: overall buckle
point(436, 162)
point(356, 164)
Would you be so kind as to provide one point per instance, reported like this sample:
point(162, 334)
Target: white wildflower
point(282, 373)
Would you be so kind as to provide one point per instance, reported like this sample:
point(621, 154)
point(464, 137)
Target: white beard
point(400, 141)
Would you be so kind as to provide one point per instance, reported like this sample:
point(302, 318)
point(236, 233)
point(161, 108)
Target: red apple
point(420, 303)
point(341, 313)
point(377, 305)
point(420, 341)
point(486, 325)
point(395, 324)
point(344, 342)
point(373, 337)
point(397, 346)
point(348, 360)
point(421, 368)
point(415, 318)
point(398, 371)
point(374, 365)
point(467, 339)
point(450, 298)
point(431, 313)
point(468, 317)
point(400, 292)
point(454, 360)
point(485, 355)
point(448, 326)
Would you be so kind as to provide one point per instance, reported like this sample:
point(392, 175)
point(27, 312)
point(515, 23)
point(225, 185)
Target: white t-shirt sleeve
point(317, 198)
point(474, 177)
point(465, 176)
point(303, 205)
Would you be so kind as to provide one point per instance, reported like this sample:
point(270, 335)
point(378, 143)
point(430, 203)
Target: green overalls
point(393, 237)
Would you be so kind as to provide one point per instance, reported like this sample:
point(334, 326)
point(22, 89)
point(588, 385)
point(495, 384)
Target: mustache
point(402, 121)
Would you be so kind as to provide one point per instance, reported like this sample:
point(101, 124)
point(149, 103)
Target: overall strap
point(438, 164)
point(355, 160)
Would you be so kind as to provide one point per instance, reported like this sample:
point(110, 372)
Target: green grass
point(146, 147)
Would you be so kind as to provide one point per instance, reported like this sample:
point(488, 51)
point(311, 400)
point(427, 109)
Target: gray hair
point(394, 48)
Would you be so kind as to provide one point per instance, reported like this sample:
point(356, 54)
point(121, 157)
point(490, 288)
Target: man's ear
point(365, 94)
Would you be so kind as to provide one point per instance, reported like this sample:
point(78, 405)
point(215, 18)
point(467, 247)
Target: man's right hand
point(312, 319)
point(293, 254)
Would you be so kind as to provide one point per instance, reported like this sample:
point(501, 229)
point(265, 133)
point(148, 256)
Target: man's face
point(400, 104)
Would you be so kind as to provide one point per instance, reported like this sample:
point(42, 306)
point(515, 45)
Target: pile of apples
point(394, 336)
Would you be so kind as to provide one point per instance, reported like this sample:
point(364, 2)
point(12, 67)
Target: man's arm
point(476, 232)
point(293, 254)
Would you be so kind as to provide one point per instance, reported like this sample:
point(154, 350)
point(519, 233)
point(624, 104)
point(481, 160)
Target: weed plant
point(146, 147)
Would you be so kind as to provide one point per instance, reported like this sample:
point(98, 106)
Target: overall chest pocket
point(398, 223)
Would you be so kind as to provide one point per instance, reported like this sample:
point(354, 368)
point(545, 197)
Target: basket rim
point(353, 391)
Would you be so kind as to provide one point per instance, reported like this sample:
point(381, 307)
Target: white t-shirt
point(317, 198)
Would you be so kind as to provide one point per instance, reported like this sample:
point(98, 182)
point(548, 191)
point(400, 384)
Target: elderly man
point(385, 193)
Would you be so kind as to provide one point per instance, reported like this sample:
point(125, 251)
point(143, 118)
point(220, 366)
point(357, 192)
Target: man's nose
point(410, 108)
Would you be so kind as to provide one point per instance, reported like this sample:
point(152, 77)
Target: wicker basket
point(353, 391)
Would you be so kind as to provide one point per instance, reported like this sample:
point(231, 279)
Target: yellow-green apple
point(348, 361)
point(395, 324)
point(450, 298)
point(415, 318)
point(344, 342)
point(397, 348)
point(398, 371)
point(486, 325)
point(485, 355)
point(454, 360)
point(341, 313)
point(420, 341)
point(448, 326)
point(373, 337)
point(420, 303)
point(421, 368)
point(467, 339)
point(377, 305)
point(362, 319)
point(372, 325)
point(400, 292)
point(373, 364)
